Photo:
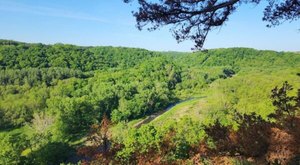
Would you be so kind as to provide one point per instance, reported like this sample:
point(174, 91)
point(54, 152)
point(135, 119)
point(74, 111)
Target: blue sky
point(110, 22)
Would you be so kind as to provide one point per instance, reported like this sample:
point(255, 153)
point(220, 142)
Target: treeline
point(18, 55)
point(239, 58)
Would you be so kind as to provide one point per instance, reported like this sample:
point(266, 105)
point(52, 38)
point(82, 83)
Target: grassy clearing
point(189, 108)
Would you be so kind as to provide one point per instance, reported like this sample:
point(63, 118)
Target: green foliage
point(18, 104)
point(51, 154)
point(74, 117)
point(35, 76)
point(150, 139)
point(142, 140)
point(286, 106)
point(12, 146)
point(17, 55)
point(249, 92)
point(61, 90)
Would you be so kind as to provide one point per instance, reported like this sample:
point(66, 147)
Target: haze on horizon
point(110, 23)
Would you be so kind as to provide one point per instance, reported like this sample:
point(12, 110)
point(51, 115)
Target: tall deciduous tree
point(193, 19)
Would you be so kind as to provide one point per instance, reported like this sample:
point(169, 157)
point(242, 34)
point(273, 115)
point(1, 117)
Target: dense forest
point(67, 104)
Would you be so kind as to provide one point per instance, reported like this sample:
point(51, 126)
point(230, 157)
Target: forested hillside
point(70, 104)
